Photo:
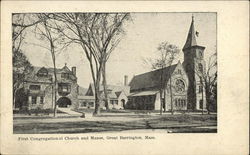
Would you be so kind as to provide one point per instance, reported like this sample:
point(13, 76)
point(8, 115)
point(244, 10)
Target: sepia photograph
point(125, 72)
point(124, 77)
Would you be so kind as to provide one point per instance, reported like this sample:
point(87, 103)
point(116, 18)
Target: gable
point(150, 80)
point(42, 71)
point(90, 91)
point(111, 88)
point(179, 69)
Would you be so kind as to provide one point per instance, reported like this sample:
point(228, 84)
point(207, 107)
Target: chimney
point(74, 71)
point(125, 80)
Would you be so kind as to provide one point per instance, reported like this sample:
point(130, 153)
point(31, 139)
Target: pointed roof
point(32, 76)
point(150, 80)
point(191, 38)
point(113, 88)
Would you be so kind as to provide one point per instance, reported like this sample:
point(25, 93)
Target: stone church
point(187, 90)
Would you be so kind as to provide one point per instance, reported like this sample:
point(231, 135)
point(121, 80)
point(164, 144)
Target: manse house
point(38, 88)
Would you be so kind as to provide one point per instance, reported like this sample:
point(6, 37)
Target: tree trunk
point(55, 94)
point(164, 100)
point(97, 101)
point(207, 91)
point(171, 96)
point(202, 98)
point(161, 102)
point(55, 82)
point(104, 82)
point(14, 98)
point(97, 92)
point(208, 101)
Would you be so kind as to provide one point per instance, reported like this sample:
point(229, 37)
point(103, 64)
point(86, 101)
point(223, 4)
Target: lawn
point(110, 122)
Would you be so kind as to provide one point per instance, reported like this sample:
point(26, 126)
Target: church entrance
point(63, 102)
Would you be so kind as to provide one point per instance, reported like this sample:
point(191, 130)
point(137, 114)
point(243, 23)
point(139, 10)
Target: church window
point(200, 68)
point(179, 71)
point(200, 89)
point(201, 54)
point(179, 86)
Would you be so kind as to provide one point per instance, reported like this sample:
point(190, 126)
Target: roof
point(113, 88)
point(82, 91)
point(144, 93)
point(150, 80)
point(118, 93)
point(191, 38)
point(112, 95)
point(86, 97)
point(32, 76)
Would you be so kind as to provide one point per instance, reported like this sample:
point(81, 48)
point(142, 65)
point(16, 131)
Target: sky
point(143, 35)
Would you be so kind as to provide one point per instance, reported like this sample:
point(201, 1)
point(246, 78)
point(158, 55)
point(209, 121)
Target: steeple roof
point(191, 38)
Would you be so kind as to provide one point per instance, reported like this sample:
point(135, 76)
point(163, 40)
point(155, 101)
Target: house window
point(64, 88)
point(83, 104)
point(33, 99)
point(41, 99)
point(201, 104)
point(35, 87)
point(65, 75)
point(109, 91)
point(91, 104)
point(42, 72)
point(114, 102)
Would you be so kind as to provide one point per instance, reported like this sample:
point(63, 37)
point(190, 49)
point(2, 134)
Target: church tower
point(194, 65)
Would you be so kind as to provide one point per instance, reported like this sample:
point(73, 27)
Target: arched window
point(179, 86)
point(200, 66)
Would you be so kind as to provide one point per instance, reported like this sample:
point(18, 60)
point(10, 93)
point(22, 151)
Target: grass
point(36, 111)
point(176, 123)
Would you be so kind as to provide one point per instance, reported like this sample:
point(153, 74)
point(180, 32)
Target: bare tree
point(54, 43)
point(167, 54)
point(208, 81)
point(97, 34)
point(111, 31)
point(21, 65)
